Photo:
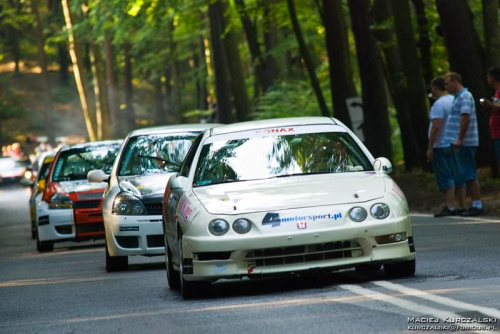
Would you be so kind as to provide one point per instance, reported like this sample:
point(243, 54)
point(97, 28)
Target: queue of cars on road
point(277, 197)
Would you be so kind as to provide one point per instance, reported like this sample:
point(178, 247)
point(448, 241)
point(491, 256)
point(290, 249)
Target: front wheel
point(173, 277)
point(115, 263)
point(400, 269)
point(44, 246)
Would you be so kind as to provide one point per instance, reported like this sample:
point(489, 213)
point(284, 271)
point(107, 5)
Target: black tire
point(33, 230)
point(173, 276)
point(115, 263)
point(44, 246)
point(400, 269)
point(190, 289)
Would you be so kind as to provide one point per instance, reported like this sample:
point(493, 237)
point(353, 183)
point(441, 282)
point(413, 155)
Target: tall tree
point(466, 56)
point(337, 45)
point(219, 61)
point(237, 79)
point(398, 89)
point(417, 96)
point(111, 89)
point(491, 32)
point(40, 39)
point(377, 129)
point(76, 54)
point(424, 42)
point(270, 33)
point(129, 89)
point(306, 57)
point(258, 61)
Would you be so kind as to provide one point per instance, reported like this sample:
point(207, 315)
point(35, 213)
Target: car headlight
point(380, 211)
point(128, 204)
point(358, 214)
point(60, 201)
point(242, 226)
point(218, 227)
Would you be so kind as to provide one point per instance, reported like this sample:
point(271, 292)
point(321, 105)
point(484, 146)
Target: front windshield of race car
point(154, 154)
point(279, 156)
point(75, 163)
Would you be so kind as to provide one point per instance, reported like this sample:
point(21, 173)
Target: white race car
point(132, 205)
point(282, 196)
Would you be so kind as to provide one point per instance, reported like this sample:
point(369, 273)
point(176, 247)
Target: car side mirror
point(40, 186)
point(97, 176)
point(178, 183)
point(382, 165)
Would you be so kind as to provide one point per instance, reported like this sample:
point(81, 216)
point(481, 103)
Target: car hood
point(291, 192)
point(144, 185)
point(80, 186)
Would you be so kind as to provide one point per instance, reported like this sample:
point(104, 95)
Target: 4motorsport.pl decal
point(274, 219)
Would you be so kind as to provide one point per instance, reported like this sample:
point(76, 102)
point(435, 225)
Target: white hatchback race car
point(132, 204)
point(282, 196)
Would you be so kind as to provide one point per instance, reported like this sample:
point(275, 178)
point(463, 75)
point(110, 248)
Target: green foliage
point(287, 99)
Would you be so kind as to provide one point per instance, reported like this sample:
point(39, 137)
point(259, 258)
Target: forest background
point(96, 69)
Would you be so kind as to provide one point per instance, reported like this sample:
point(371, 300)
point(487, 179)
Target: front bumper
point(68, 224)
point(212, 258)
point(134, 235)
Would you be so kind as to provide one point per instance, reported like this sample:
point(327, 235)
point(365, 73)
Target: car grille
point(307, 253)
point(155, 241)
point(87, 204)
point(154, 208)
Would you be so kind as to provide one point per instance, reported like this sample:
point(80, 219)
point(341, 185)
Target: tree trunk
point(101, 98)
point(47, 94)
point(78, 70)
point(424, 43)
point(491, 32)
point(466, 57)
point(62, 53)
point(306, 56)
point(202, 75)
point(398, 89)
point(219, 61)
point(159, 112)
point(258, 61)
point(115, 123)
point(169, 95)
point(377, 129)
point(270, 33)
point(417, 96)
point(129, 90)
point(236, 76)
point(337, 45)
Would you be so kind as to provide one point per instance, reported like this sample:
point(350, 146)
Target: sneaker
point(472, 212)
point(445, 212)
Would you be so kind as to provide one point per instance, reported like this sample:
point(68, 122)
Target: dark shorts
point(496, 145)
point(442, 163)
point(465, 163)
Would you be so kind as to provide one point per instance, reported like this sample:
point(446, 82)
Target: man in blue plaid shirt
point(462, 134)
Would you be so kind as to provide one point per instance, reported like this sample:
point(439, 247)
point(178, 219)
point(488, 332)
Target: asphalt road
point(456, 287)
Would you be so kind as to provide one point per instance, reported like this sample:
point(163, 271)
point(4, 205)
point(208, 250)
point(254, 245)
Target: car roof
point(275, 122)
point(200, 127)
point(92, 143)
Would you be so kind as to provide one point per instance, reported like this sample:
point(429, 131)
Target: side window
point(186, 165)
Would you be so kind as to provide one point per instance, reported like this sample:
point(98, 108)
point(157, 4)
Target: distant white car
point(283, 196)
point(132, 204)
